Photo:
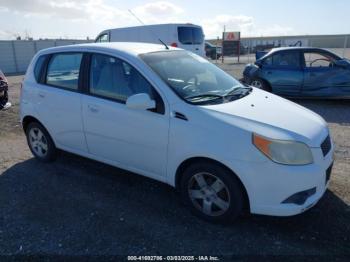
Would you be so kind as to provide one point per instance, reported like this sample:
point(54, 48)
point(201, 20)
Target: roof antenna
point(160, 40)
point(138, 19)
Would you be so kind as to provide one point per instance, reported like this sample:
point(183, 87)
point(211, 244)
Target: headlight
point(284, 152)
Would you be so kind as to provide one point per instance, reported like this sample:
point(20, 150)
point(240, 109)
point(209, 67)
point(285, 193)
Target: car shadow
point(333, 111)
point(78, 206)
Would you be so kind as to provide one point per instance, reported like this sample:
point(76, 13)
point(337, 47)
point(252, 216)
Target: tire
point(3, 99)
point(261, 84)
point(40, 142)
point(220, 199)
point(213, 56)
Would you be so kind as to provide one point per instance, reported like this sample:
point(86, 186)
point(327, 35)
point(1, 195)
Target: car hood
point(272, 116)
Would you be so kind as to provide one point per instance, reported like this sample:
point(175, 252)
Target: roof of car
point(310, 49)
point(131, 48)
point(296, 48)
point(155, 25)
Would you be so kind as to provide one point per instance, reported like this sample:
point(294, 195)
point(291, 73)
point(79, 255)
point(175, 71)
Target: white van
point(185, 36)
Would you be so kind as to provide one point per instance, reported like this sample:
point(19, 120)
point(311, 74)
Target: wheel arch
point(26, 121)
point(30, 119)
point(190, 161)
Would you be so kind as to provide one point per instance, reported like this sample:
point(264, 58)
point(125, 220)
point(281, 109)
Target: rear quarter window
point(38, 68)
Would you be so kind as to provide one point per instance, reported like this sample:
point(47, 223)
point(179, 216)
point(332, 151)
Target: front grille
point(326, 145)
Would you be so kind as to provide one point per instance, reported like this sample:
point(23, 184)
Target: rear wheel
point(40, 142)
point(261, 84)
point(212, 192)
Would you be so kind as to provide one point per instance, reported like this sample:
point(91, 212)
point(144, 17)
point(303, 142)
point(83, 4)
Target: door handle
point(269, 72)
point(42, 95)
point(93, 109)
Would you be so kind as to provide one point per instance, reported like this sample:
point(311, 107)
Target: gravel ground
point(77, 206)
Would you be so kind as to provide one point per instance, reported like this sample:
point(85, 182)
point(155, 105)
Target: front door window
point(314, 59)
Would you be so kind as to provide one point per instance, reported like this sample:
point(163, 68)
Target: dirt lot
point(78, 206)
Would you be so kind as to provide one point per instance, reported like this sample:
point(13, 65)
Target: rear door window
point(39, 67)
point(314, 59)
point(63, 70)
point(190, 35)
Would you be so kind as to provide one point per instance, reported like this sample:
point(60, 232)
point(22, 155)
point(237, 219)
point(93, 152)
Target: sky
point(79, 19)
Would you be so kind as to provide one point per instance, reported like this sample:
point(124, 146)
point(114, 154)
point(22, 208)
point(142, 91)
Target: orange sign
point(232, 36)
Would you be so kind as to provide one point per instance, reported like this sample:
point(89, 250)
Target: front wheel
point(261, 84)
point(212, 192)
point(40, 142)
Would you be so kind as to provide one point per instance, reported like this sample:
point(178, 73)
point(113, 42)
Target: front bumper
point(269, 184)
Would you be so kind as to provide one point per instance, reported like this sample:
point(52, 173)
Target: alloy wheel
point(38, 142)
point(257, 84)
point(209, 194)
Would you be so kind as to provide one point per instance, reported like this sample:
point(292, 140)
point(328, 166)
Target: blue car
point(300, 72)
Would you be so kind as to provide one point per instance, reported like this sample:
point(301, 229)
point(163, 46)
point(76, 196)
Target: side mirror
point(342, 63)
point(140, 101)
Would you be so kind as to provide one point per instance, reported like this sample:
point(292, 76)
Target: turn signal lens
point(262, 144)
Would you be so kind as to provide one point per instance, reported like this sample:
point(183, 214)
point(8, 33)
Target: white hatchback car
point(171, 115)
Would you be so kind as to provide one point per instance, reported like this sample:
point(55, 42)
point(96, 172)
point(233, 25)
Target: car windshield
point(195, 79)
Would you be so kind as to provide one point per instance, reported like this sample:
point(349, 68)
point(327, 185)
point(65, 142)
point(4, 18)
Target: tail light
point(174, 45)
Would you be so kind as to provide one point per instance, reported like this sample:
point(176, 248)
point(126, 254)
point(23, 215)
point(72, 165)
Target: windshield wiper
point(210, 96)
point(239, 92)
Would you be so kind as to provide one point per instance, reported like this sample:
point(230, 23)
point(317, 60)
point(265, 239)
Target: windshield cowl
point(230, 96)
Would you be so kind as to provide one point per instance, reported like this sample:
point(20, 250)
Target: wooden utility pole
point(222, 45)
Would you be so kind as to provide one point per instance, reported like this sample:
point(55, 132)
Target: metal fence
point(16, 55)
point(338, 44)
